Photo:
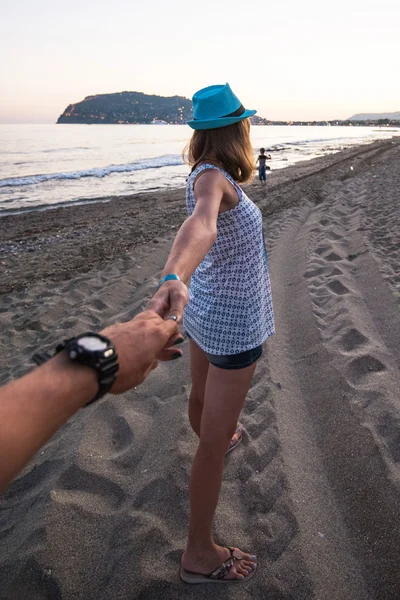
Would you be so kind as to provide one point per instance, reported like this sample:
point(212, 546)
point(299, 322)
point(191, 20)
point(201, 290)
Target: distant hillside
point(128, 107)
point(136, 107)
point(394, 116)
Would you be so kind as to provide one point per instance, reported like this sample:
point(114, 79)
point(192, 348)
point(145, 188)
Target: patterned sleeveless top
point(230, 306)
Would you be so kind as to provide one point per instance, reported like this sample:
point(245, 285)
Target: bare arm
point(193, 240)
point(34, 407)
point(199, 232)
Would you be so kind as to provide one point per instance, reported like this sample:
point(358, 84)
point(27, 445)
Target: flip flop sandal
point(239, 430)
point(219, 574)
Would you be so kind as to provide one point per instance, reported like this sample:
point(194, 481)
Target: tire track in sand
point(345, 500)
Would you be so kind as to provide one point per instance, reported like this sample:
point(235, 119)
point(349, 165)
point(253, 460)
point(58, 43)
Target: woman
point(228, 316)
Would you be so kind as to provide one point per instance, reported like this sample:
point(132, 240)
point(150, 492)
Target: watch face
point(91, 343)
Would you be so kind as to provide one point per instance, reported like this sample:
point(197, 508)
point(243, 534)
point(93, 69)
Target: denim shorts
point(234, 361)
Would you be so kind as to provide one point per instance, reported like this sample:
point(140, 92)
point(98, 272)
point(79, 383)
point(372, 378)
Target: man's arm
point(34, 407)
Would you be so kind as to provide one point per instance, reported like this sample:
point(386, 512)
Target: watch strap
point(42, 356)
point(106, 378)
point(106, 367)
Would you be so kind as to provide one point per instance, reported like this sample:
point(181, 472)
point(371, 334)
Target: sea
point(44, 166)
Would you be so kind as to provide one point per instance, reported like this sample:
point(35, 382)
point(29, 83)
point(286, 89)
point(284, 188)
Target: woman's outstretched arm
point(192, 242)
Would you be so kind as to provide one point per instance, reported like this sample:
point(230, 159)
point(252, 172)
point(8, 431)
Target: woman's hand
point(139, 344)
point(170, 300)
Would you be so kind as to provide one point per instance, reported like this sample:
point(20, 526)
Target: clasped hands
point(149, 337)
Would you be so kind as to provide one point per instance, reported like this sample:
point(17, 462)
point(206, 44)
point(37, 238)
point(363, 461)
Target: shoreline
point(35, 244)
point(91, 178)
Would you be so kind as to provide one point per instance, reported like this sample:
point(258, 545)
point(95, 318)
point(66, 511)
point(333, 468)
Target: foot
point(236, 439)
point(210, 561)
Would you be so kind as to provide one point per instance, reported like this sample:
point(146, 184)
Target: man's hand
point(139, 344)
point(34, 407)
point(170, 299)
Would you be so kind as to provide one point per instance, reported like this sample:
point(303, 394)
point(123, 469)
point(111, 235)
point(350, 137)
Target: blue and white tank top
point(230, 306)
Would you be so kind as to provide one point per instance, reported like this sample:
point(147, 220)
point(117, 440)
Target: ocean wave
point(310, 141)
point(70, 149)
point(169, 160)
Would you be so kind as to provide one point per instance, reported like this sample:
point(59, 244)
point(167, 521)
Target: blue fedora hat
point(217, 106)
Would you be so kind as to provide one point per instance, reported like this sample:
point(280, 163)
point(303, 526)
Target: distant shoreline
point(259, 122)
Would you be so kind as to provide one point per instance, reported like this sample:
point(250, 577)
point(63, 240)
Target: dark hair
point(262, 150)
point(230, 145)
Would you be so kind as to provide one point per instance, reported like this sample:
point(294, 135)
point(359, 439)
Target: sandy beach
point(314, 490)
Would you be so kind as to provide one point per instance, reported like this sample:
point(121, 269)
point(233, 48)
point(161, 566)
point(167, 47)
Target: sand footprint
point(333, 257)
point(159, 495)
point(32, 580)
point(278, 530)
point(91, 492)
point(352, 340)
point(262, 451)
point(338, 288)
point(363, 367)
point(261, 492)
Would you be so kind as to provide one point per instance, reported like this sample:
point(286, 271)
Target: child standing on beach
point(262, 169)
point(228, 317)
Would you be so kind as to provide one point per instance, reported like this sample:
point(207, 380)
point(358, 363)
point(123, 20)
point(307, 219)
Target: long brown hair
point(230, 145)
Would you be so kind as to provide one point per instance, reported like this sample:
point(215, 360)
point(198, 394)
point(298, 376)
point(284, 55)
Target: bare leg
point(199, 370)
point(225, 393)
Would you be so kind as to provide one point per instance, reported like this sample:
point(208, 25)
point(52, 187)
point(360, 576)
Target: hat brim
point(221, 122)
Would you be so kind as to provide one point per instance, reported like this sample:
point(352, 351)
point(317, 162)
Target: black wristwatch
point(92, 350)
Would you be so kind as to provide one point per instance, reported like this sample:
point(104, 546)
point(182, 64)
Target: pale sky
point(290, 60)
